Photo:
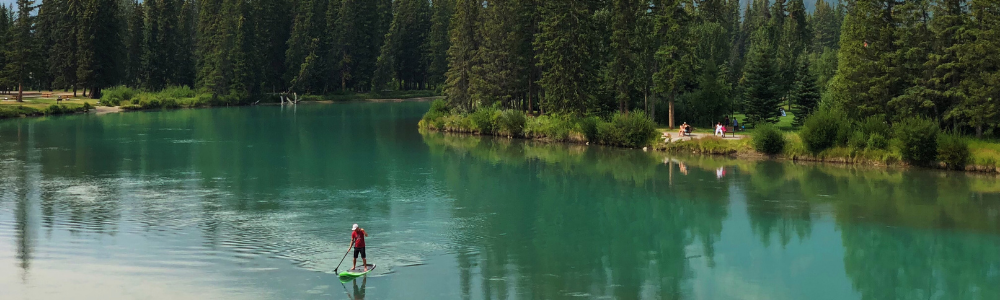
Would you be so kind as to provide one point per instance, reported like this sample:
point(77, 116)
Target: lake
point(258, 202)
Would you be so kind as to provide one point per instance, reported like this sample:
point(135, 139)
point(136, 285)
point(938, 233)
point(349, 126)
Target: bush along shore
point(18, 111)
point(824, 137)
point(632, 130)
point(184, 97)
point(828, 137)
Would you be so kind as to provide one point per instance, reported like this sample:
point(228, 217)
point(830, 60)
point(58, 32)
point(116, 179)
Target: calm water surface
point(257, 203)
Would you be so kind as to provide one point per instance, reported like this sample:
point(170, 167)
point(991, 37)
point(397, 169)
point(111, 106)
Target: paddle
point(335, 270)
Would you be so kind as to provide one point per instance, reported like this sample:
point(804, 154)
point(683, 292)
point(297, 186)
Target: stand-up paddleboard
point(357, 271)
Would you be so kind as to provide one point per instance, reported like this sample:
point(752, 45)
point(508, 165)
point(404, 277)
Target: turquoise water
point(257, 203)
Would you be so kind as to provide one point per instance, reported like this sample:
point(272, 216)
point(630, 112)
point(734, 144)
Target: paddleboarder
point(358, 235)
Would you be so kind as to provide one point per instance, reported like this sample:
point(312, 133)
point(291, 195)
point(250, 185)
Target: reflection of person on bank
point(719, 173)
point(360, 293)
point(683, 167)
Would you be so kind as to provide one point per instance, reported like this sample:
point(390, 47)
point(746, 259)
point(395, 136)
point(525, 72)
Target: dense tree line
point(683, 60)
point(237, 48)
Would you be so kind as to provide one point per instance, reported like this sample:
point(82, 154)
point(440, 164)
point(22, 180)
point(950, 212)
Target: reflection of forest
point(559, 225)
point(82, 173)
point(611, 222)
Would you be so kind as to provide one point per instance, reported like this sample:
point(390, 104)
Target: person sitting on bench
point(685, 129)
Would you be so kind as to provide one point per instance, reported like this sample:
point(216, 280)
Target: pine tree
point(46, 24)
point(361, 34)
point(825, 23)
point(864, 83)
point(981, 106)
point(402, 55)
point(805, 94)
point(6, 23)
point(762, 96)
point(273, 31)
point(913, 46)
point(213, 40)
point(461, 53)
point(100, 46)
point(134, 35)
point(565, 49)
point(501, 74)
point(21, 49)
point(438, 42)
point(624, 64)
point(673, 57)
point(184, 71)
point(305, 29)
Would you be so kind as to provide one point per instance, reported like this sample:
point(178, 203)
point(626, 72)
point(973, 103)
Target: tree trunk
point(670, 110)
point(20, 92)
point(979, 131)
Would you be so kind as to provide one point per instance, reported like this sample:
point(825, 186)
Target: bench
point(46, 95)
point(730, 129)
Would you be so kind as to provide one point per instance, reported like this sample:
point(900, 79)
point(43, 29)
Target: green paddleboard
point(357, 271)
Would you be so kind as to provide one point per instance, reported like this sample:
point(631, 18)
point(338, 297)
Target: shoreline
point(749, 154)
point(103, 110)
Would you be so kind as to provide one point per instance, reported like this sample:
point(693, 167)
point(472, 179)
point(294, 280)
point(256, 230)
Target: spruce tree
point(673, 56)
point(913, 39)
point(624, 64)
point(306, 27)
point(565, 53)
point(805, 94)
point(6, 23)
point(21, 48)
point(825, 23)
point(501, 74)
point(981, 106)
point(402, 55)
point(864, 83)
point(461, 53)
point(438, 42)
point(762, 96)
point(361, 34)
point(134, 46)
point(213, 41)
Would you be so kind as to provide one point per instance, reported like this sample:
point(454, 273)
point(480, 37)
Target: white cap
point(355, 227)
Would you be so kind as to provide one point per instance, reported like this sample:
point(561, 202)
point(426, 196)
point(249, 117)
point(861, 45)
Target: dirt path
point(100, 110)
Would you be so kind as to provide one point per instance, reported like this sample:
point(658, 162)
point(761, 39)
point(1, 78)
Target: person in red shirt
point(358, 235)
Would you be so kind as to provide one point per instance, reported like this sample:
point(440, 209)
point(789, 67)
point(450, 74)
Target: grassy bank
point(632, 130)
point(185, 97)
point(43, 107)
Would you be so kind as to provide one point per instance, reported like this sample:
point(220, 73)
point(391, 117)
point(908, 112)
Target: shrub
point(917, 140)
point(768, 139)
point(117, 95)
point(553, 127)
point(170, 103)
point(877, 141)
point(589, 127)
point(439, 109)
point(510, 122)
point(953, 150)
point(635, 129)
point(87, 106)
point(484, 120)
point(821, 131)
point(873, 125)
point(177, 92)
point(857, 140)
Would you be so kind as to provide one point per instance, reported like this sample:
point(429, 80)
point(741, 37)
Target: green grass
point(369, 96)
point(984, 152)
point(784, 124)
point(38, 103)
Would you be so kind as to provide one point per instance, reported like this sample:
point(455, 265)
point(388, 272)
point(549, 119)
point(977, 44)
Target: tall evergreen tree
point(361, 33)
point(864, 83)
point(461, 52)
point(762, 96)
point(564, 49)
point(134, 16)
point(6, 23)
point(100, 46)
point(501, 73)
point(306, 27)
point(624, 72)
point(438, 41)
point(21, 48)
point(805, 94)
point(913, 46)
point(402, 57)
point(673, 56)
point(980, 109)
